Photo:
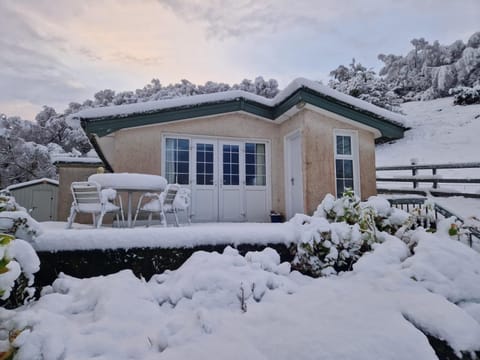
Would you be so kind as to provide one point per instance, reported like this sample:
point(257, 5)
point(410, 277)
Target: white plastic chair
point(89, 198)
point(164, 203)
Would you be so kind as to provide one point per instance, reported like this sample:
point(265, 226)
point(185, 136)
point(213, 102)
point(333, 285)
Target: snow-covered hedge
point(341, 230)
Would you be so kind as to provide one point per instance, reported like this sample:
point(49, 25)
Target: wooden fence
point(415, 178)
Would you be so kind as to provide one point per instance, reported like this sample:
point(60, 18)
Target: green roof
point(104, 125)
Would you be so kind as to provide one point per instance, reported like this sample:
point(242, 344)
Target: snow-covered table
point(130, 183)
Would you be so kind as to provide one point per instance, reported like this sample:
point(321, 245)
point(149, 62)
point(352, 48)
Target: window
point(231, 166)
point(177, 160)
point(345, 162)
point(204, 164)
point(255, 164)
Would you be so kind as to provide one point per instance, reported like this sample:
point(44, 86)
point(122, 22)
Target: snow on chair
point(174, 198)
point(89, 198)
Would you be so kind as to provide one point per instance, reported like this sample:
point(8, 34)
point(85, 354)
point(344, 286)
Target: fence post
point(435, 181)
point(413, 162)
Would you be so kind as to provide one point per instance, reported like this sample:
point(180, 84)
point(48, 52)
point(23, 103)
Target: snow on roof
point(153, 106)
point(350, 100)
point(31, 182)
point(76, 159)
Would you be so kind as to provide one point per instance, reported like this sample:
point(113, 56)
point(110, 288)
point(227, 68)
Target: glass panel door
point(231, 197)
point(204, 182)
point(204, 164)
point(231, 168)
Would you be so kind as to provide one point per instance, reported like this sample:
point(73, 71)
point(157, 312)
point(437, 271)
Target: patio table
point(130, 183)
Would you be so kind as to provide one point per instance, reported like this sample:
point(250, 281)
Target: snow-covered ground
point(440, 133)
point(381, 310)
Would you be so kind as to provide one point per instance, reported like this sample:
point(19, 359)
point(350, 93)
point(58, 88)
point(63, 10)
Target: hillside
point(440, 133)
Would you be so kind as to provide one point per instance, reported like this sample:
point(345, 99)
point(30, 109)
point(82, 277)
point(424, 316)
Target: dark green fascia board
point(107, 125)
point(387, 128)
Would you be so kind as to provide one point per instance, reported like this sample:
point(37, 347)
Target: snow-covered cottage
point(243, 155)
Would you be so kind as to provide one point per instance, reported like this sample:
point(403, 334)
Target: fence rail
point(433, 167)
point(415, 178)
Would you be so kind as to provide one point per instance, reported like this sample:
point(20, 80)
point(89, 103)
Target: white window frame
point(164, 156)
point(353, 134)
point(191, 138)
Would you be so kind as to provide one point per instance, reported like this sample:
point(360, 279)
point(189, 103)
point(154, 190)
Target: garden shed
point(39, 197)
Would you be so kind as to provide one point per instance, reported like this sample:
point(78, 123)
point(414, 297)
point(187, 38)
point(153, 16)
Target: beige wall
point(319, 154)
point(140, 149)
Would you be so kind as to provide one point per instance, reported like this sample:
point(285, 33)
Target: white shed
point(39, 197)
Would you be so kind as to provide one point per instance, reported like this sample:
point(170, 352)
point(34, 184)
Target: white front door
point(294, 177)
point(204, 181)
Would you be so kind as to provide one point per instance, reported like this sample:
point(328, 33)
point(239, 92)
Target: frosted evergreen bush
point(341, 230)
point(466, 95)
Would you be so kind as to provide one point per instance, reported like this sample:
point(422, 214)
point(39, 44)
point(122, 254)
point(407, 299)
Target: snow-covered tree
point(104, 97)
point(55, 129)
point(360, 82)
point(23, 160)
point(431, 70)
point(26, 146)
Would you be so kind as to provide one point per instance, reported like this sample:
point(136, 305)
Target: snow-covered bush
point(18, 260)
point(227, 280)
point(466, 95)
point(341, 230)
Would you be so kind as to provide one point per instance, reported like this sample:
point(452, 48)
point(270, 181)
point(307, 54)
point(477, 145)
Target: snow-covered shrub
point(466, 95)
point(18, 260)
point(341, 230)
point(15, 220)
point(227, 280)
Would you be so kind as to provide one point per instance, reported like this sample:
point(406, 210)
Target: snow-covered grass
point(381, 310)
point(440, 133)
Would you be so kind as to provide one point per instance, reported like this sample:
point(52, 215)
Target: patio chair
point(89, 198)
point(164, 203)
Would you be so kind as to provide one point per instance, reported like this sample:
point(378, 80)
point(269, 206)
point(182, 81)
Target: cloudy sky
point(57, 51)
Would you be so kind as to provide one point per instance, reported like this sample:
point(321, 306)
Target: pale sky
point(57, 51)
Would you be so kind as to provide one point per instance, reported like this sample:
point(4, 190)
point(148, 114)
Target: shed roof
point(32, 182)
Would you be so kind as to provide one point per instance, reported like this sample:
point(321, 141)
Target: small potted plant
point(276, 217)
